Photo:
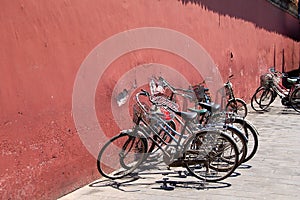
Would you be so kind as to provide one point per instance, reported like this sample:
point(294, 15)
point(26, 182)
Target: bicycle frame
point(280, 90)
point(179, 143)
point(226, 93)
point(229, 89)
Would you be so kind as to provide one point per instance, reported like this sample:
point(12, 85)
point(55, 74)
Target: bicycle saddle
point(294, 80)
point(210, 106)
point(186, 115)
point(198, 111)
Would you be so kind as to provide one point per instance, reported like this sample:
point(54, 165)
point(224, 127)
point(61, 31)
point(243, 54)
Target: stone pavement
point(273, 173)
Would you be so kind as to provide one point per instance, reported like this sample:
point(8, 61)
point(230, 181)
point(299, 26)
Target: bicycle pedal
point(164, 185)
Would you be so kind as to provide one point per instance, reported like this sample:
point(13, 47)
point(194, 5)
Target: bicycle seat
point(293, 79)
point(198, 111)
point(210, 106)
point(187, 115)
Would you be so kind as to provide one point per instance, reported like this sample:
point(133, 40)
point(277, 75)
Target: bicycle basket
point(266, 80)
point(163, 101)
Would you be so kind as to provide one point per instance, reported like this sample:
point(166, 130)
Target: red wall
point(43, 44)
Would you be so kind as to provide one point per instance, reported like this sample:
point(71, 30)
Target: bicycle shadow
point(276, 110)
point(151, 176)
point(152, 173)
point(288, 111)
point(117, 184)
point(136, 183)
point(284, 111)
point(244, 166)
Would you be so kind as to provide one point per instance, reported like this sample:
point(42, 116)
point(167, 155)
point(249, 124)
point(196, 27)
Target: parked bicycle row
point(206, 140)
point(271, 88)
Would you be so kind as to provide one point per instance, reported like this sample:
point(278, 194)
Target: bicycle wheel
point(121, 155)
point(237, 106)
point(250, 132)
point(266, 99)
point(211, 156)
point(263, 95)
point(295, 99)
point(240, 140)
point(254, 103)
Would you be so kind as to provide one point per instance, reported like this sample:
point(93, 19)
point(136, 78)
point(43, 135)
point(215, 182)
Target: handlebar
point(228, 83)
point(144, 93)
point(276, 73)
point(176, 90)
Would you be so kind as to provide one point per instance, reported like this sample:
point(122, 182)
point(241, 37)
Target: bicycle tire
point(240, 140)
point(266, 99)
point(295, 99)
point(251, 133)
point(255, 100)
point(254, 103)
point(238, 106)
point(220, 156)
point(126, 147)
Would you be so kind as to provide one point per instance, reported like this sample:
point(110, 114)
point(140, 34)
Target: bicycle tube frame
point(178, 144)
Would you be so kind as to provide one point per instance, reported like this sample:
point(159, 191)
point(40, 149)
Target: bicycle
point(208, 154)
point(266, 83)
point(270, 88)
point(234, 104)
